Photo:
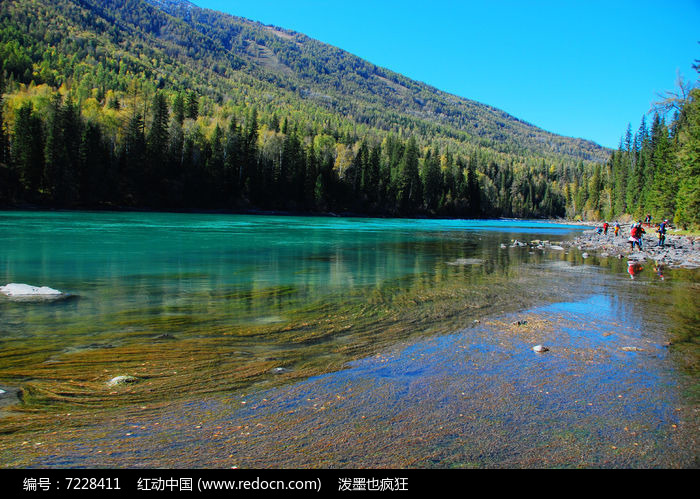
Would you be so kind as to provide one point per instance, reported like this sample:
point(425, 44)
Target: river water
point(273, 341)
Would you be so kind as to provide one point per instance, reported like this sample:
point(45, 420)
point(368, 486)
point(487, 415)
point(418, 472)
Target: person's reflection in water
point(634, 268)
point(660, 271)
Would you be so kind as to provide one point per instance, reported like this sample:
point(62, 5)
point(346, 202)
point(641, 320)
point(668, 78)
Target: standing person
point(640, 234)
point(634, 236)
point(662, 233)
point(605, 228)
point(617, 228)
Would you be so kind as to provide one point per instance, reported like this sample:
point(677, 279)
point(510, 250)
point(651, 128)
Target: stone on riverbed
point(164, 336)
point(122, 380)
point(280, 370)
point(9, 395)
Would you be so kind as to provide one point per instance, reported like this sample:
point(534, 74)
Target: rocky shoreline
point(678, 251)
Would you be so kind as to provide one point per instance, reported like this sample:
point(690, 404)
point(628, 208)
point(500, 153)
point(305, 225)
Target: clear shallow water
point(163, 264)
point(238, 306)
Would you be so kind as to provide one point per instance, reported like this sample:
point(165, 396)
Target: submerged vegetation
point(233, 342)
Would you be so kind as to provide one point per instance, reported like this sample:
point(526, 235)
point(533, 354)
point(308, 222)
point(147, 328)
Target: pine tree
point(310, 178)
point(233, 160)
point(431, 181)
point(216, 167)
point(473, 191)
point(688, 198)
point(91, 175)
point(192, 106)
point(372, 182)
point(662, 191)
point(409, 193)
point(132, 160)
point(179, 108)
point(28, 149)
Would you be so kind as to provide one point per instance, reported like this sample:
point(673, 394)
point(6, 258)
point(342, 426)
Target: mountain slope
point(350, 85)
point(207, 109)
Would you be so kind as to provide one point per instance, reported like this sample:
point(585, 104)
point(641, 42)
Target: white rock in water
point(122, 380)
point(14, 289)
point(540, 348)
point(279, 370)
point(556, 247)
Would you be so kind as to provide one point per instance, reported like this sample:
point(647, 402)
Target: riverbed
point(323, 342)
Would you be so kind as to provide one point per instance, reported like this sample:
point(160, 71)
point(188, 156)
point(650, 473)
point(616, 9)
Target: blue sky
point(577, 68)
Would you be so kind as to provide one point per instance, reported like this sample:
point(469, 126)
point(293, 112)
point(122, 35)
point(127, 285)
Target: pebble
point(164, 336)
point(540, 349)
point(279, 370)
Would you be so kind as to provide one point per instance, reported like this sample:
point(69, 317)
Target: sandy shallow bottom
point(606, 394)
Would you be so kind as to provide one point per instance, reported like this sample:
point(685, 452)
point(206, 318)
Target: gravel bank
point(678, 251)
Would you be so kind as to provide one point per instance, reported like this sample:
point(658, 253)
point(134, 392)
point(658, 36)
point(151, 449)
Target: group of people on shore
point(637, 232)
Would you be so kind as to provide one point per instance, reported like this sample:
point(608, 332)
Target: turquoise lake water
point(167, 263)
point(418, 331)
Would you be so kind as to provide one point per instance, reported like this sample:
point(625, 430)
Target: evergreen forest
point(162, 105)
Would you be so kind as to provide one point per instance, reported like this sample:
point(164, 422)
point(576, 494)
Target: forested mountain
point(162, 104)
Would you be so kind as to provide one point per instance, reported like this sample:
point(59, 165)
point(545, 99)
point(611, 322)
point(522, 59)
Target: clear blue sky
point(577, 68)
